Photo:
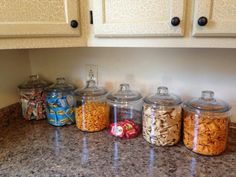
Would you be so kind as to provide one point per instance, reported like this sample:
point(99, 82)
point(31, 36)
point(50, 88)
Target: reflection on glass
point(151, 162)
point(193, 167)
point(57, 139)
point(196, 129)
point(85, 151)
point(115, 160)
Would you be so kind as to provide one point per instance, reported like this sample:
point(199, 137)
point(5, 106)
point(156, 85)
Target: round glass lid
point(34, 82)
point(163, 98)
point(91, 89)
point(124, 94)
point(61, 86)
point(207, 102)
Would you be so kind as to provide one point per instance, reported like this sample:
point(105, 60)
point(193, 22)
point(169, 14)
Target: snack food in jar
point(162, 115)
point(60, 100)
point(92, 111)
point(206, 124)
point(32, 98)
point(125, 112)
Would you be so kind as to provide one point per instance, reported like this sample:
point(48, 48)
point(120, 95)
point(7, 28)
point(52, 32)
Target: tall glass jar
point(60, 101)
point(162, 116)
point(32, 98)
point(206, 124)
point(92, 111)
point(125, 112)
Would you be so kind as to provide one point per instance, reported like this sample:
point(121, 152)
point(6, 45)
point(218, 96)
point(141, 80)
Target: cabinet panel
point(22, 18)
point(137, 18)
point(221, 18)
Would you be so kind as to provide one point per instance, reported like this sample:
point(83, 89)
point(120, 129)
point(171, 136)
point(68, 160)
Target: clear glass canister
point(162, 116)
point(60, 101)
point(125, 112)
point(32, 98)
point(206, 123)
point(92, 111)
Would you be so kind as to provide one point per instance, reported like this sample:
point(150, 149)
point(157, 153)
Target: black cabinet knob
point(175, 21)
point(74, 24)
point(202, 21)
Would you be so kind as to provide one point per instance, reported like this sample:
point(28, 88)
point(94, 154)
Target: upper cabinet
point(138, 18)
point(214, 18)
point(117, 23)
point(35, 18)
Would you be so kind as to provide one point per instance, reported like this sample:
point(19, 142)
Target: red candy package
point(124, 129)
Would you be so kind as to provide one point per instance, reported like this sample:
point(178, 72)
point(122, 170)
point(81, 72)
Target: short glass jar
point(125, 112)
point(32, 98)
point(162, 116)
point(60, 101)
point(92, 111)
point(206, 124)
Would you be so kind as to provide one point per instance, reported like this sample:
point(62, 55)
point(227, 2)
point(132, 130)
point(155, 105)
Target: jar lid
point(34, 82)
point(163, 98)
point(61, 86)
point(124, 95)
point(91, 89)
point(207, 103)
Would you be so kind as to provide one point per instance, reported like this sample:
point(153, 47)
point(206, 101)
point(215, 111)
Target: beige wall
point(185, 71)
point(15, 68)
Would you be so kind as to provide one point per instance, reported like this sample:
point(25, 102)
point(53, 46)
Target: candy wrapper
point(125, 129)
point(60, 109)
point(33, 104)
point(125, 123)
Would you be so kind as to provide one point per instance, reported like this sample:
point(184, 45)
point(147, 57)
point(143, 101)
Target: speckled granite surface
point(38, 149)
point(9, 112)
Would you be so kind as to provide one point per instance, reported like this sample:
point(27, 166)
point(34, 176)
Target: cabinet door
point(25, 18)
point(138, 18)
point(214, 18)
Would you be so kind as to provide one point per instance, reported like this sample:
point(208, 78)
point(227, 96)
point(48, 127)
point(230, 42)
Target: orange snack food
point(206, 124)
point(92, 116)
point(205, 135)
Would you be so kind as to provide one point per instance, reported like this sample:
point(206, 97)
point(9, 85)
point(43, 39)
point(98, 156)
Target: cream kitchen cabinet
point(214, 18)
point(138, 18)
point(27, 18)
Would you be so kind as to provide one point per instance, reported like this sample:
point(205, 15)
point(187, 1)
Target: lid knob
point(208, 95)
point(124, 87)
point(61, 80)
point(34, 77)
point(162, 91)
point(91, 83)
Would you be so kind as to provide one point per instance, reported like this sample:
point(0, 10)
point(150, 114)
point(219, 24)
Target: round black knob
point(74, 24)
point(175, 21)
point(202, 21)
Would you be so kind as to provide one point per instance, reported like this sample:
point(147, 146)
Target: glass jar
point(125, 112)
point(206, 124)
point(60, 101)
point(32, 98)
point(162, 116)
point(92, 111)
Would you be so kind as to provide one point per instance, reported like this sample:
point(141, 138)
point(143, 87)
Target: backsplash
point(186, 72)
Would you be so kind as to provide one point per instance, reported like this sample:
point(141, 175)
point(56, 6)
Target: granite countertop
point(38, 149)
